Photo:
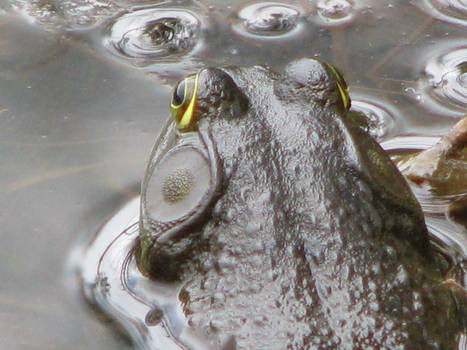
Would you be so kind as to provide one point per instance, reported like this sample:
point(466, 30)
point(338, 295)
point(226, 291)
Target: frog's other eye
point(184, 102)
point(341, 86)
point(311, 79)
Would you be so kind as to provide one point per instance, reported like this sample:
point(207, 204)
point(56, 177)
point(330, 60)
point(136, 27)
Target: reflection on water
point(335, 10)
point(267, 19)
point(77, 120)
point(153, 34)
point(435, 205)
point(162, 39)
point(445, 78)
point(75, 14)
point(380, 119)
point(454, 11)
point(148, 310)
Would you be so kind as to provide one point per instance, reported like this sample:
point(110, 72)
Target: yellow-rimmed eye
point(341, 85)
point(183, 102)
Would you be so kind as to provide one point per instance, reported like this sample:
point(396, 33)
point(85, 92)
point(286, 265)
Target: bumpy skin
point(313, 239)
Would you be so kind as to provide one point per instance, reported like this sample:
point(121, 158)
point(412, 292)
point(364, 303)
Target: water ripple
point(453, 11)
point(70, 14)
point(381, 123)
point(267, 20)
point(149, 35)
point(335, 10)
point(435, 206)
point(444, 80)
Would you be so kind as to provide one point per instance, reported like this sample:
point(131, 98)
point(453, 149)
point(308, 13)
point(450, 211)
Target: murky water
point(84, 89)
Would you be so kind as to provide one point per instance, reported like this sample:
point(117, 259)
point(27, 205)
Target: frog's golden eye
point(183, 102)
point(341, 85)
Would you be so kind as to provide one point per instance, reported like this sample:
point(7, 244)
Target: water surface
point(84, 89)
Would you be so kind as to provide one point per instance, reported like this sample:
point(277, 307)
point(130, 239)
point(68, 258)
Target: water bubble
point(149, 35)
point(266, 19)
point(412, 92)
point(335, 10)
point(453, 11)
point(444, 80)
point(380, 120)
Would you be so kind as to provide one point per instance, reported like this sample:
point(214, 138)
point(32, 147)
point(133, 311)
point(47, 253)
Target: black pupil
point(179, 93)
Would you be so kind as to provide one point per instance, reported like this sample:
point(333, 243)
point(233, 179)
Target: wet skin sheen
point(284, 224)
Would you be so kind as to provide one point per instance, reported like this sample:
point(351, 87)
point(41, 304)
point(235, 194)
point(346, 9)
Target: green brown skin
point(312, 238)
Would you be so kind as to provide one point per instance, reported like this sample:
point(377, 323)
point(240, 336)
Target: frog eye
point(341, 86)
point(180, 183)
point(183, 102)
point(179, 95)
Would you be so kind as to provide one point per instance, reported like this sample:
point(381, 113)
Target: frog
point(284, 224)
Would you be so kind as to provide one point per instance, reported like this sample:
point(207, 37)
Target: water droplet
point(267, 19)
point(380, 119)
point(444, 80)
point(150, 35)
point(412, 92)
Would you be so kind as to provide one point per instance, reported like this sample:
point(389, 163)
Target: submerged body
point(284, 224)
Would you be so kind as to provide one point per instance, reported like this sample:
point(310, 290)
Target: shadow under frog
point(283, 225)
